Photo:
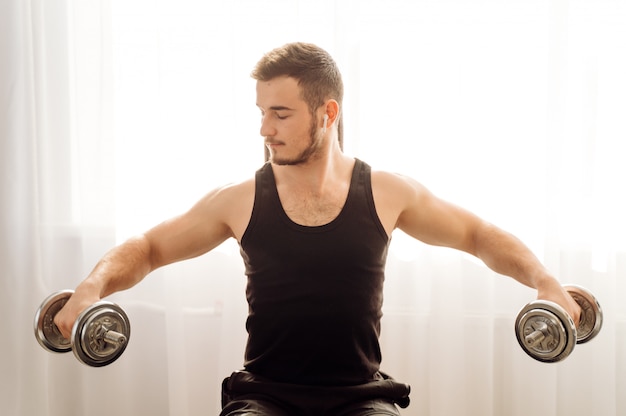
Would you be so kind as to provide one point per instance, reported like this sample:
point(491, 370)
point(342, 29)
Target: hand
point(65, 318)
point(556, 293)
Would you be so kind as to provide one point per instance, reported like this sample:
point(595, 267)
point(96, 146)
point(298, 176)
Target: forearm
point(507, 255)
point(121, 268)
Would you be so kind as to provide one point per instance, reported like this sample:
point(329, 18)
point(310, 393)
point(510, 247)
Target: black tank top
point(314, 293)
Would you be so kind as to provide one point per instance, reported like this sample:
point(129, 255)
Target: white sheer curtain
point(118, 114)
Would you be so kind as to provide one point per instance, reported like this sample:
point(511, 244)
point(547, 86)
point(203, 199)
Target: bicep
point(435, 221)
point(191, 234)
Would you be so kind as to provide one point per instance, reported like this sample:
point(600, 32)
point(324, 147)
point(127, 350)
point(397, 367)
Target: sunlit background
point(120, 114)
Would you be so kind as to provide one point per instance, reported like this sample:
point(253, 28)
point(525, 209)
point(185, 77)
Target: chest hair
point(306, 208)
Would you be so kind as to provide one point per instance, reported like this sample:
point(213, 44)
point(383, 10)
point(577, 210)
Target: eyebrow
point(278, 108)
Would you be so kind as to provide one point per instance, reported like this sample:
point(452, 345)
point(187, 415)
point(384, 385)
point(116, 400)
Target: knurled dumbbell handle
point(537, 336)
point(113, 337)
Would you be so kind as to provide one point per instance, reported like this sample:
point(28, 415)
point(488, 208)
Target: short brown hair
point(315, 70)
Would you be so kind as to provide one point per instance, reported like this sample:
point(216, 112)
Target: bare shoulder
point(400, 190)
point(222, 213)
point(231, 192)
point(420, 213)
point(396, 183)
point(230, 204)
point(393, 195)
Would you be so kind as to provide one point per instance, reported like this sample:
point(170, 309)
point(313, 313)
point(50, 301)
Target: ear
point(331, 110)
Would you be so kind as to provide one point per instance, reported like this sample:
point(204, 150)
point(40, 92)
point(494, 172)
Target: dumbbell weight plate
point(558, 327)
point(90, 345)
point(46, 331)
point(591, 316)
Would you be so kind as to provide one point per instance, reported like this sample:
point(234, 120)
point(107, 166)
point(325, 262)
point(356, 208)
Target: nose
point(267, 128)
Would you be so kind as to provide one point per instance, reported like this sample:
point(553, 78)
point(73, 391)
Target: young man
point(314, 226)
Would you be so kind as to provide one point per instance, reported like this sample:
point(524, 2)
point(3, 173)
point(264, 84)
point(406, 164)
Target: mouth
point(273, 144)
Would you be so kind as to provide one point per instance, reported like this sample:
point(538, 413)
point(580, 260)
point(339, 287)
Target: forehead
point(280, 91)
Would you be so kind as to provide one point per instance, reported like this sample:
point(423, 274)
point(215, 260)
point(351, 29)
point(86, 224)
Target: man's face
point(290, 131)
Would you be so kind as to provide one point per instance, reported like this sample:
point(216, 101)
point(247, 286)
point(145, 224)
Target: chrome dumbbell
point(547, 333)
point(99, 336)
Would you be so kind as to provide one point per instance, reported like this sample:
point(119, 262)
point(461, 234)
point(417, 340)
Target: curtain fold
point(118, 114)
point(19, 232)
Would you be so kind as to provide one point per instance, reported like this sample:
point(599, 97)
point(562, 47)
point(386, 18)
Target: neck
point(317, 174)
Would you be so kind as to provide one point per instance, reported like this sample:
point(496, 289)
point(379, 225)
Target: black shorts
point(244, 393)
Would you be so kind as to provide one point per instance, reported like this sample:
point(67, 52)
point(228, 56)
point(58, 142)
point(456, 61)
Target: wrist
point(89, 289)
point(545, 282)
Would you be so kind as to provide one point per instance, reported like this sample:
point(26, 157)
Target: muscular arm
point(221, 214)
point(434, 221)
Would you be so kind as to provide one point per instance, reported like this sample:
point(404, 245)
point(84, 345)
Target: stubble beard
point(315, 143)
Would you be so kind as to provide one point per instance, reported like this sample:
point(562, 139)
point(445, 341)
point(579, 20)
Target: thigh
point(370, 408)
point(249, 406)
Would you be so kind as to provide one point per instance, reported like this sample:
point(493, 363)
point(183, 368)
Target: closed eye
point(278, 112)
point(278, 116)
